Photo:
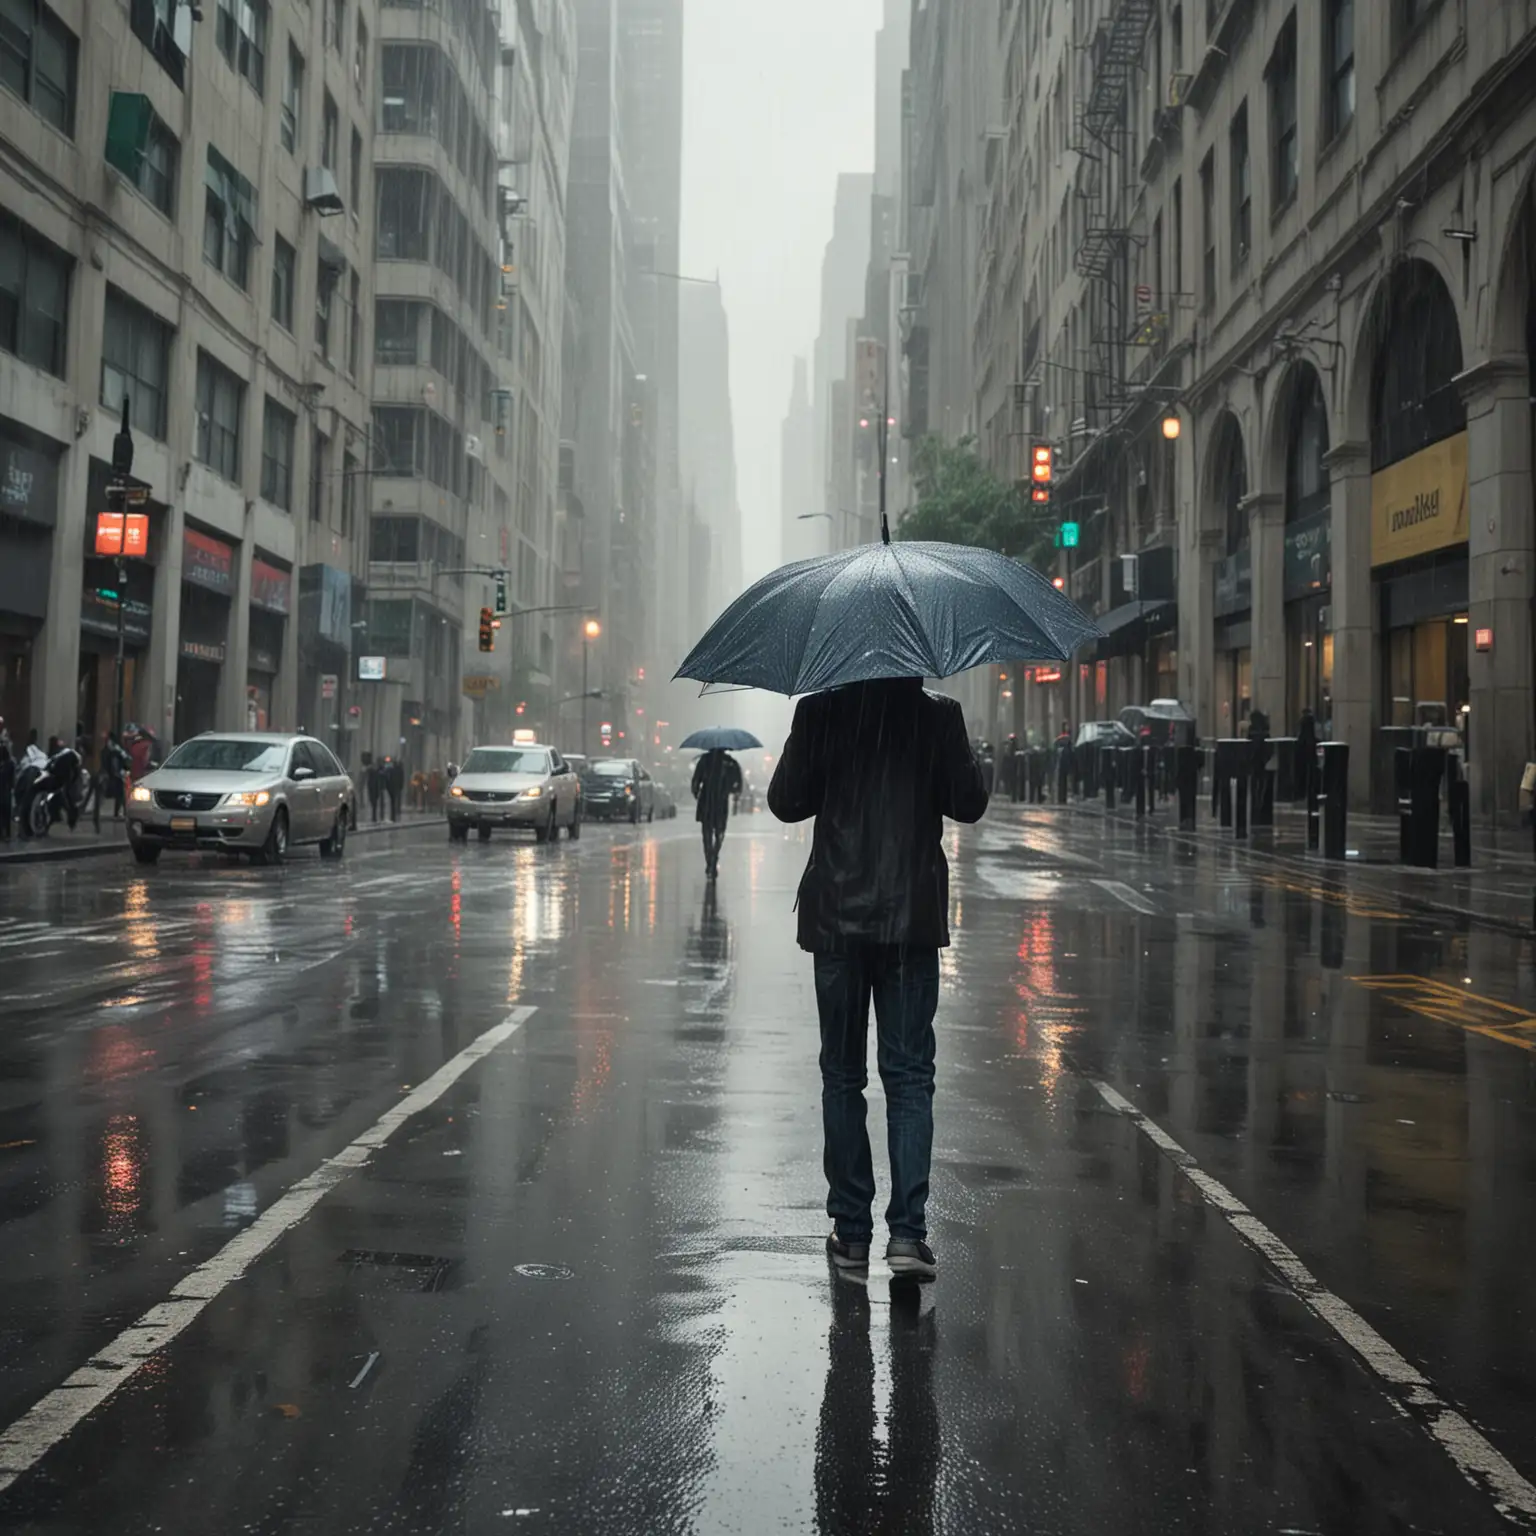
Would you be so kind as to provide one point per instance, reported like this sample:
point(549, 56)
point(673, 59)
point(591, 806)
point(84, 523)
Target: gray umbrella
point(720, 738)
point(887, 610)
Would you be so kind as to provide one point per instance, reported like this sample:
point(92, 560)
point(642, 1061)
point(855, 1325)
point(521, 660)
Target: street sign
point(370, 669)
point(1483, 639)
point(1069, 535)
point(478, 686)
point(109, 533)
point(328, 681)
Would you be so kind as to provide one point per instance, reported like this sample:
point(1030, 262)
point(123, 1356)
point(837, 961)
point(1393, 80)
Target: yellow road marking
point(1447, 1004)
point(1351, 903)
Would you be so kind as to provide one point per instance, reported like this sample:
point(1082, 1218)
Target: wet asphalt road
point(582, 1287)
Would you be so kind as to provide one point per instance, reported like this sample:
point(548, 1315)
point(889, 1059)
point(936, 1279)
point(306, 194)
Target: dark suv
point(617, 789)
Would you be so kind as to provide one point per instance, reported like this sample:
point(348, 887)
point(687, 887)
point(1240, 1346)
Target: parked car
point(253, 792)
point(577, 762)
point(522, 786)
point(1163, 722)
point(619, 789)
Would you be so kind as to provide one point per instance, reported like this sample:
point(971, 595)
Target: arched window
point(1229, 483)
point(1306, 442)
point(1414, 401)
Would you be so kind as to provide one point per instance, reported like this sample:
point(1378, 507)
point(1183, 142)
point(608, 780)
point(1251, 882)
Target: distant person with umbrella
point(880, 762)
point(717, 781)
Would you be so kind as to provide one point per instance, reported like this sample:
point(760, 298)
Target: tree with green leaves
point(960, 500)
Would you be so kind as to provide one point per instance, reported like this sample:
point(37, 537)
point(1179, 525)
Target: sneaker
point(909, 1256)
point(847, 1255)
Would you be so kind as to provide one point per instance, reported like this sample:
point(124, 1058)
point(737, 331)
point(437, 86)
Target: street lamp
point(590, 631)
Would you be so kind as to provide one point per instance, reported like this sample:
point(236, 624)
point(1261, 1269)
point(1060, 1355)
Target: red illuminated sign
point(1483, 639)
point(119, 533)
point(1047, 674)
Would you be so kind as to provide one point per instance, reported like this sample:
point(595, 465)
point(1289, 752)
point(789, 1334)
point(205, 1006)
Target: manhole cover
point(542, 1271)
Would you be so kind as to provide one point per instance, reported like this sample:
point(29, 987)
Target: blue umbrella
point(720, 738)
point(887, 610)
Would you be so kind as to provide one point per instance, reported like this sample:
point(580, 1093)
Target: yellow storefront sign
point(478, 687)
point(1419, 504)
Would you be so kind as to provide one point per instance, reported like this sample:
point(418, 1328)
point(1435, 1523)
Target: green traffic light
point(1069, 535)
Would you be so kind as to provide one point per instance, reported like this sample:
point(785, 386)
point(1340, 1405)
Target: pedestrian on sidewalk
point(373, 780)
point(716, 780)
point(879, 765)
point(394, 786)
point(1306, 753)
point(110, 779)
point(7, 782)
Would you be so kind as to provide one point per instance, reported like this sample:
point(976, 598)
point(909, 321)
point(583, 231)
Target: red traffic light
point(1040, 463)
point(487, 630)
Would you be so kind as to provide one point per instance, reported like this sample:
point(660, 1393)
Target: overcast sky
point(779, 98)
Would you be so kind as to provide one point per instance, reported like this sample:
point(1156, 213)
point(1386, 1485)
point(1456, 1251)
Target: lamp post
point(590, 631)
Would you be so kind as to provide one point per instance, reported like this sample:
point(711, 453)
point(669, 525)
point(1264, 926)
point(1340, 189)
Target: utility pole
point(117, 501)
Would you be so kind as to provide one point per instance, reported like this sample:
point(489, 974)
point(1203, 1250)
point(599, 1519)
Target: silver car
point(520, 786)
point(252, 792)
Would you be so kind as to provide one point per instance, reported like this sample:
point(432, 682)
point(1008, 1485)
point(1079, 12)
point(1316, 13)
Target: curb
point(1334, 875)
point(62, 853)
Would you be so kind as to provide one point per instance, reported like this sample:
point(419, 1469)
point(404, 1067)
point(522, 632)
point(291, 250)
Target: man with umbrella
point(880, 762)
point(716, 782)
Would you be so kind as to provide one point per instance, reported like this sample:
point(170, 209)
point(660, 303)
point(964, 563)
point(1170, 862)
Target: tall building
point(1268, 304)
point(798, 495)
point(188, 204)
point(443, 466)
point(652, 42)
point(535, 106)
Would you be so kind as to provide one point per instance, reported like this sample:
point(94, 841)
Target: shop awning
point(1134, 621)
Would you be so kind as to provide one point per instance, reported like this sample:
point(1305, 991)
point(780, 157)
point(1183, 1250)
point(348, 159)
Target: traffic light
point(1040, 469)
point(501, 593)
point(487, 630)
point(1069, 532)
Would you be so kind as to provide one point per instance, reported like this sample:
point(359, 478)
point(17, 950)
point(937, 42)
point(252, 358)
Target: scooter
point(50, 793)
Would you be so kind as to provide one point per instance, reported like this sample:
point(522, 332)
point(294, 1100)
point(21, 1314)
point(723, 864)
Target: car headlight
point(141, 795)
point(456, 792)
point(532, 792)
point(249, 797)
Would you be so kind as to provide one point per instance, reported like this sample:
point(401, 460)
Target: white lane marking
point(357, 1380)
point(1475, 1457)
point(1122, 892)
point(24, 1443)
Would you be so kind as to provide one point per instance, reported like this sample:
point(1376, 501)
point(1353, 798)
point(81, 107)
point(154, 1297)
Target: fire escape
point(1105, 178)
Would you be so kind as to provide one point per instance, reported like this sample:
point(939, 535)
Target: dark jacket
point(716, 777)
point(879, 765)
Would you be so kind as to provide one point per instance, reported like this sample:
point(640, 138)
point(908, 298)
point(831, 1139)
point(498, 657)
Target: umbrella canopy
point(887, 610)
point(720, 738)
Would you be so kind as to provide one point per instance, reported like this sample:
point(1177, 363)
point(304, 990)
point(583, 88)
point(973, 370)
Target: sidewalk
point(1499, 889)
point(85, 843)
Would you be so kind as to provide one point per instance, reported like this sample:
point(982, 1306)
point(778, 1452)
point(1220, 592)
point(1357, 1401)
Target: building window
point(357, 173)
point(283, 271)
point(34, 297)
point(325, 289)
point(1410, 16)
point(396, 325)
point(229, 220)
point(277, 455)
point(360, 61)
point(392, 539)
point(293, 102)
point(405, 201)
point(240, 30)
point(136, 364)
point(399, 440)
point(335, 23)
point(159, 166)
point(1284, 171)
point(37, 61)
point(1178, 240)
point(1208, 227)
point(1242, 190)
point(1306, 449)
point(318, 449)
point(151, 22)
point(332, 133)
point(409, 101)
point(1415, 401)
point(355, 322)
point(220, 401)
point(1338, 66)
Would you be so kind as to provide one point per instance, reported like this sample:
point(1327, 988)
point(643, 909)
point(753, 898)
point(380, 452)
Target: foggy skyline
point(778, 101)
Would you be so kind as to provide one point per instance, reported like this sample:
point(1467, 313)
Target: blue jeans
point(903, 983)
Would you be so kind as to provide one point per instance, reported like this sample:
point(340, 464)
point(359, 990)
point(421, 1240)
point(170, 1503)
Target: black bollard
point(1313, 788)
point(1243, 781)
point(1188, 772)
point(1402, 789)
point(1459, 805)
point(1334, 795)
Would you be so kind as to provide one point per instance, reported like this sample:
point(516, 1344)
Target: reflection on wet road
point(576, 1283)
